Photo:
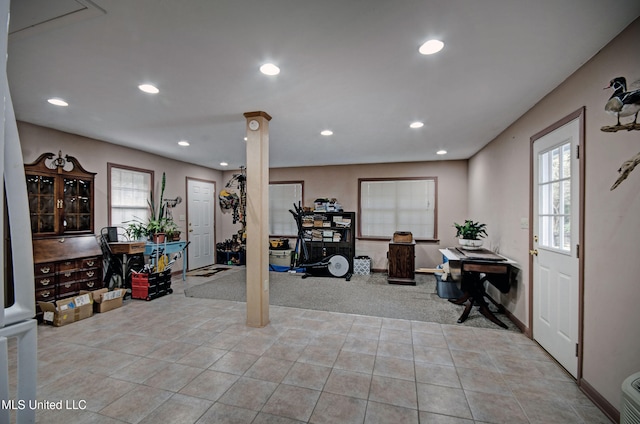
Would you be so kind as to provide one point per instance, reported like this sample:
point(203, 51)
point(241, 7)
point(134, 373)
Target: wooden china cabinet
point(66, 255)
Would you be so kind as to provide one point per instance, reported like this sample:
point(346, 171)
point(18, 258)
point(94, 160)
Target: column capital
point(256, 114)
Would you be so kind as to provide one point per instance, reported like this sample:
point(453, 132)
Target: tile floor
point(185, 360)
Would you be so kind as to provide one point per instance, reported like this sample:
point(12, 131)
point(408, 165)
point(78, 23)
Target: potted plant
point(156, 226)
point(470, 234)
point(156, 229)
point(172, 230)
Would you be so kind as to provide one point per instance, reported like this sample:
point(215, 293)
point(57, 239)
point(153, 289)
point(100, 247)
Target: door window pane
point(554, 197)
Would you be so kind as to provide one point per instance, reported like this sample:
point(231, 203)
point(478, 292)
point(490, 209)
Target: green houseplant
point(172, 230)
point(156, 226)
point(157, 229)
point(135, 230)
point(470, 233)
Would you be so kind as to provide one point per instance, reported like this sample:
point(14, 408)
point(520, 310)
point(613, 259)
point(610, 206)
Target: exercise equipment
point(333, 265)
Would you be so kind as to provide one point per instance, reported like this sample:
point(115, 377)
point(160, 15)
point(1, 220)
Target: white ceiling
point(351, 66)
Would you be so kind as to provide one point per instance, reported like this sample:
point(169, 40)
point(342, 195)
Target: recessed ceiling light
point(148, 88)
point(441, 152)
point(245, 139)
point(58, 102)
point(183, 143)
point(431, 47)
point(224, 164)
point(269, 69)
point(416, 124)
point(326, 132)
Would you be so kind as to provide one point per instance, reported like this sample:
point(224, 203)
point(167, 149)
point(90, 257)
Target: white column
point(257, 214)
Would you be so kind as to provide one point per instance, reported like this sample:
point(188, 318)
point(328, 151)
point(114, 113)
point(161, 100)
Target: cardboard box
point(105, 300)
point(66, 311)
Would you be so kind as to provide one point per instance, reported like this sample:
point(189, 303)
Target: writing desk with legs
point(473, 268)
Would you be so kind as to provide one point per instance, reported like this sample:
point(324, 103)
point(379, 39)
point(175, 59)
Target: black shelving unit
point(330, 233)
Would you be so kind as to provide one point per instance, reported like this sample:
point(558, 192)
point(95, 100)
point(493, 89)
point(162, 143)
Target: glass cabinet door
point(42, 203)
point(77, 204)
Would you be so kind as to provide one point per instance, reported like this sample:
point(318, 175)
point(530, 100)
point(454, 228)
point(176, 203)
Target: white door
point(200, 204)
point(556, 232)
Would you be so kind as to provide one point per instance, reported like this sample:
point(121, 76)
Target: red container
point(150, 286)
point(139, 279)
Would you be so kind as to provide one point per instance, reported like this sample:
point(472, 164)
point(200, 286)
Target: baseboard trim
point(605, 406)
point(521, 326)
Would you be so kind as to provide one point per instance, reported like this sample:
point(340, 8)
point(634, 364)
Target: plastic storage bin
point(447, 289)
point(280, 257)
point(150, 286)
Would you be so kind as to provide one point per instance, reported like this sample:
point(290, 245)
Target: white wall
point(499, 195)
point(93, 155)
point(341, 182)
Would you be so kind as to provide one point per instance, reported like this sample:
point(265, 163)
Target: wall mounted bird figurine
point(626, 169)
point(622, 103)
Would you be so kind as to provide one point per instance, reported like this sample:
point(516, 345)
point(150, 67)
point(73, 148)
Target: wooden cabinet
point(63, 266)
point(66, 255)
point(401, 259)
point(330, 233)
point(60, 193)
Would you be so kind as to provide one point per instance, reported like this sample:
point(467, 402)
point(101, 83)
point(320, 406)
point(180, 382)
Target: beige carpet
point(363, 295)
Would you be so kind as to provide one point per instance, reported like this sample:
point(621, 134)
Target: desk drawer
point(66, 289)
point(90, 262)
point(45, 282)
point(44, 269)
point(94, 284)
point(67, 276)
point(67, 265)
point(46, 295)
point(87, 274)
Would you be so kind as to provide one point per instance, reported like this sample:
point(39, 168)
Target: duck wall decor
point(623, 103)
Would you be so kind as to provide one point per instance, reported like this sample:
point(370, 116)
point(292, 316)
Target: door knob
point(533, 252)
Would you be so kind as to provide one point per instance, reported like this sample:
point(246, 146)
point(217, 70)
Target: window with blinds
point(390, 205)
point(282, 197)
point(129, 194)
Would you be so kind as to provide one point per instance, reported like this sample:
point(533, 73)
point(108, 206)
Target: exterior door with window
point(556, 229)
point(200, 204)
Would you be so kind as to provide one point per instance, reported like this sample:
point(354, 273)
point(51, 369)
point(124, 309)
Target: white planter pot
point(470, 244)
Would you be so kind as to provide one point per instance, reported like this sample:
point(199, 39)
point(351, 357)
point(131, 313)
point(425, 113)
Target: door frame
point(215, 215)
point(580, 115)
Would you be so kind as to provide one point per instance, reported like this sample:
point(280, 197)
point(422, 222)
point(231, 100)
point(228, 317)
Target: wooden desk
point(475, 268)
point(128, 250)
